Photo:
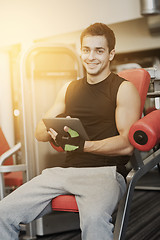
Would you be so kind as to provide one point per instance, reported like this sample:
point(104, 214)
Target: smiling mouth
point(92, 65)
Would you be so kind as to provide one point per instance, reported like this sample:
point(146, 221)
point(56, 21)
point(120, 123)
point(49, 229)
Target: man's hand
point(72, 142)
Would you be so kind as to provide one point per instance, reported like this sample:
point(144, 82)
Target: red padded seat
point(65, 203)
point(13, 179)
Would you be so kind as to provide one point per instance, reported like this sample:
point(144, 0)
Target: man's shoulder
point(128, 86)
point(128, 90)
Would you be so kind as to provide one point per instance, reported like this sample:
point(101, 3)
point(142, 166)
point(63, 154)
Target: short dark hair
point(100, 29)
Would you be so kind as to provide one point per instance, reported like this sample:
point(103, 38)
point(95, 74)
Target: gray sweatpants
point(97, 191)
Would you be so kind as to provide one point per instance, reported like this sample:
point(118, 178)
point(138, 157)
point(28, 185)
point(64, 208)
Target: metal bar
point(124, 210)
point(12, 168)
point(136, 160)
point(2, 192)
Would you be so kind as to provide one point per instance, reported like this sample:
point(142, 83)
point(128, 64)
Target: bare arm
point(127, 112)
point(41, 133)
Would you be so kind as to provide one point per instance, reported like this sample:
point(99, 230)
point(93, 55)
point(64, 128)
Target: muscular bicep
point(128, 107)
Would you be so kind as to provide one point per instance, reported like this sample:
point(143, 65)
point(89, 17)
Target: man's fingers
point(66, 129)
point(52, 133)
point(71, 132)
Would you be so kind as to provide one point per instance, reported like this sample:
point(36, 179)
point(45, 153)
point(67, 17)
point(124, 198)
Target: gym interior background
point(29, 29)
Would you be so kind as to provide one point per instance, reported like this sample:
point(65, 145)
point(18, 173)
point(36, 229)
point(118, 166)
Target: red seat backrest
point(141, 79)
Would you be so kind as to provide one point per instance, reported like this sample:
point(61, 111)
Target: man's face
point(95, 55)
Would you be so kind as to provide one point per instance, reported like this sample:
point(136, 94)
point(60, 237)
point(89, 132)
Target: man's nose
point(91, 55)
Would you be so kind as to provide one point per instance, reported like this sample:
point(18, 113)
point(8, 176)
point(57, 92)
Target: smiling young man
point(94, 170)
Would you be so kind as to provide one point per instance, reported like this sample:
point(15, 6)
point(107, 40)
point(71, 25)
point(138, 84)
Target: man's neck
point(93, 79)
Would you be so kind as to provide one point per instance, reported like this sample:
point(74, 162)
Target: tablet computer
point(58, 125)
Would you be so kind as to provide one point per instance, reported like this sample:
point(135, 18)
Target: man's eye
point(100, 51)
point(85, 50)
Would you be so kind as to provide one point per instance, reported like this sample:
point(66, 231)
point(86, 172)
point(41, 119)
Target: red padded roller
point(145, 133)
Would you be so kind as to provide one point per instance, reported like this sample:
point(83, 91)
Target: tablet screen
point(58, 125)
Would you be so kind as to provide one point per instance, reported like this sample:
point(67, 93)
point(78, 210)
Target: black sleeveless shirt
point(94, 105)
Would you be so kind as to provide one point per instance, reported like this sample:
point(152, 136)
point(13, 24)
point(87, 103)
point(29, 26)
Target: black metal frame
point(140, 168)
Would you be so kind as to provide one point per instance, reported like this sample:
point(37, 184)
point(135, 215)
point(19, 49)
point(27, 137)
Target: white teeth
point(92, 64)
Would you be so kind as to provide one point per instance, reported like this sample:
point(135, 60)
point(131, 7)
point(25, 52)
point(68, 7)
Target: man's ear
point(111, 54)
